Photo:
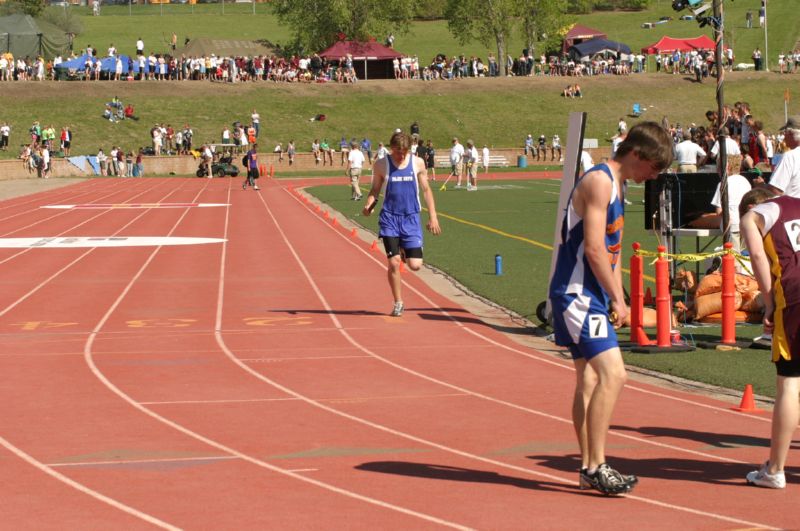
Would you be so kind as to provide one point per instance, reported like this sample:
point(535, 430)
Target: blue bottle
point(498, 264)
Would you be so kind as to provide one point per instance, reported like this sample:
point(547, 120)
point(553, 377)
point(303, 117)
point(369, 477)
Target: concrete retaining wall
point(187, 165)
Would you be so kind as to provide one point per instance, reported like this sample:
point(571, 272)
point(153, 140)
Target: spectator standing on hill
point(155, 134)
point(485, 156)
point(786, 177)
point(255, 118)
point(748, 19)
point(400, 226)
point(5, 133)
point(366, 147)
point(139, 47)
point(591, 244)
point(456, 160)
point(770, 224)
point(355, 162)
point(762, 14)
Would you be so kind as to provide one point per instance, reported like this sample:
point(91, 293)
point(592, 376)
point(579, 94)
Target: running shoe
point(763, 478)
point(397, 311)
point(607, 480)
point(256, 188)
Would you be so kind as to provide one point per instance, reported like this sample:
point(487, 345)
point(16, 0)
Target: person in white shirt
point(485, 156)
point(5, 132)
point(111, 50)
point(256, 120)
point(689, 155)
point(586, 161)
point(355, 162)
point(737, 187)
point(45, 162)
point(471, 163)
point(731, 147)
point(456, 158)
point(140, 46)
point(786, 177)
point(382, 151)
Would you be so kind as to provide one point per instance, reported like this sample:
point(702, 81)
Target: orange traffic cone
point(648, 297)
point(271, 171)
point(325, 215)
point(374, 246)
point(334, 222)
point(748, 403)
point(317, 209)
point(402, 267)
point(353, 233)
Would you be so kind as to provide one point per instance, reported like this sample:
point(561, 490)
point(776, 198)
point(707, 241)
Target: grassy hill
point(499, 112)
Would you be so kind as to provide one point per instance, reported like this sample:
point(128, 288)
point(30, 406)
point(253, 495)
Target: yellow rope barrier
point(693, 257)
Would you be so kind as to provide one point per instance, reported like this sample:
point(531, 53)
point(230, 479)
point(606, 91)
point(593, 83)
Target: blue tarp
point(595, 46)
point(79, 63)
point(107, 64)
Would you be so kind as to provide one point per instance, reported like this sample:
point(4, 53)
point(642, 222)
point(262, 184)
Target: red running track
point(258, 383)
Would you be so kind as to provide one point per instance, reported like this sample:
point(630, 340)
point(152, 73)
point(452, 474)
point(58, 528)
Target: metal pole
point(722, 134)
point(254, 7)
point(130, 9)
point(766, 38)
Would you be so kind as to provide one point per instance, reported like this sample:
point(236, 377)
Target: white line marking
point(84, 489)
point(343, 331)
point(143, 461)
point(128, 206)
point(80, 242)
point(341, 399)
point(178, 427)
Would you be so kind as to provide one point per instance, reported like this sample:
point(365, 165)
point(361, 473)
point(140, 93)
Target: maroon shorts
point(791, 323)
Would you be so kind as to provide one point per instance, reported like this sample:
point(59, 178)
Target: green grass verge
point(515, 219)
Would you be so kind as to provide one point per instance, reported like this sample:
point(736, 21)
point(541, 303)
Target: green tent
point(25, 37)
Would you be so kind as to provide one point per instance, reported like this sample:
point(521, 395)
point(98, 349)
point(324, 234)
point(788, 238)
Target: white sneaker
point(397, 311)
point(256, 188)
point(763, 478)
point(472, 189)
point(458, 186)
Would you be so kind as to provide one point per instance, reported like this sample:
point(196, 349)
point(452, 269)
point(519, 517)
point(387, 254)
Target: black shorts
point(253, 173)
point(392, 246)
point(3, 141)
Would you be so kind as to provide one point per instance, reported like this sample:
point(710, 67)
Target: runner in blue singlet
point(587, 277)
point(400, 229)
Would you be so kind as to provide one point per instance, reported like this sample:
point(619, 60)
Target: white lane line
point(46, 281)
point(79, 486)
point(337, 324)
point(83, 488)
point(292, 399)
point(210, 442)
point(59, 214)
point(124, 462)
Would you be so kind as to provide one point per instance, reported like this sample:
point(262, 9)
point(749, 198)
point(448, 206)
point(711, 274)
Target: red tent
point(670, 44)
point(370, 59)
point(580, 34)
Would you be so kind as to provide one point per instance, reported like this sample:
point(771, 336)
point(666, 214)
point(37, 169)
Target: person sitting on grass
point(109, 115)
point(568, 92)
point(129, 113)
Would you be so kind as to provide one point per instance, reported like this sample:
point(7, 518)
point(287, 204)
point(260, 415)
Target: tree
point(29, 7)
point(541, 20)
point(489, 22)
point(319, 23)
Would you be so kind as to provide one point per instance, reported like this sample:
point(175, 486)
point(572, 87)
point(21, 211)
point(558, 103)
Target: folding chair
point(637, 110)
